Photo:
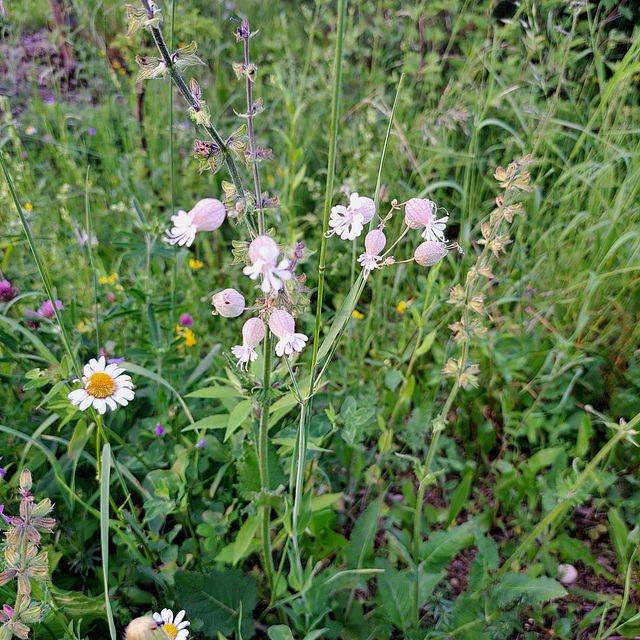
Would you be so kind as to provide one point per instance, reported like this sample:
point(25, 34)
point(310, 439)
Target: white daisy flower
point(206, 215)
point(263, 253)
point(348, 222)
point(419, 213)
point(283, 326)
point(175, 627)
point(104, 386)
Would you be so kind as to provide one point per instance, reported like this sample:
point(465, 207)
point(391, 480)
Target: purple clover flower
point(46, 310)
point(185, 320)
point(7, 291)
point(159, 430)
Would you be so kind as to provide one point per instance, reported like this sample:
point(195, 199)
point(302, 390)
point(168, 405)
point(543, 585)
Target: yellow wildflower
point(103, 280)
point(28, 206)
point(112, 278)
point(116, 65)
point(357, 315)
point(196, 264)
point(401, 307)
point(189, 338)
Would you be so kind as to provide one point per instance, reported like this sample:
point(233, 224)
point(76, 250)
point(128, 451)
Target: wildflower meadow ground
point(319, 320)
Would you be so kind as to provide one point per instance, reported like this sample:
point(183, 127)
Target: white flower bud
point(567, 573)
point(419, 213)
point(253, 332)
point(430, 253)
point(375, 242)
point(208, 214)
point(281, 322)
point(265, 249)
point(229, 303)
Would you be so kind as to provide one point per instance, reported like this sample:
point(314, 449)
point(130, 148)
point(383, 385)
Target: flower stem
point(263, 459)
point(246, 35)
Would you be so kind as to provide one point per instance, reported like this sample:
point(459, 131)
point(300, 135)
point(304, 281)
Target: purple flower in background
point(25, 155)
point(51, 100)
point(47, 311)
point(159, 430)
point(8, 519)
point(2, 471)
point(186, 124)
point(32, 324)
point(7, 291)
point(115, 360)
point(92, 131)
point(185, 320)
point(201, 443)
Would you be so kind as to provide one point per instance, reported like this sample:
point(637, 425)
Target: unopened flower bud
point(25, 480)
point(229, 303)
point(145, 628)
point(375, 242)
point(430, 253)
point(253, 332)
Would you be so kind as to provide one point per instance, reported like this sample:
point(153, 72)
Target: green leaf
point(237, 416)
point(441, 546)
point(519, 586)
point(458, 498)
point(392, 379)
point(427, 342)
point(618, 533)
point(395, 594)
point(215, 598)
point(217, 391)
point(280, 632)
point(219, 421)
point(360, 547)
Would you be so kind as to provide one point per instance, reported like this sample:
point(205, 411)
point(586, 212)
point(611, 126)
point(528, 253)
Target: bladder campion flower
point(176, 628)
point(207, 215)
point(253, 332)
point(374, 243)
point(229, 303)
point(429, 253)
point(283, 326)
point(104, 386)
point(419, 213)
point(263, 253)
point(348, 222)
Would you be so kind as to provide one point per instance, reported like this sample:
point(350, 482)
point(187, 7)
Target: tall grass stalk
point(301, 444)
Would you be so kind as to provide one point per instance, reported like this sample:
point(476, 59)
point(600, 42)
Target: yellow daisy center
point(171, 629)
point(101, 385)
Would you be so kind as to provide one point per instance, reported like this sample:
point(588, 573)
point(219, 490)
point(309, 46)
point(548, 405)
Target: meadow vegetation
point(444, 445)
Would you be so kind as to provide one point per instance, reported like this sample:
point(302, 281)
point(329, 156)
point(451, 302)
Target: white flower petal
point(86, 403)
point(178, 619)
point(99, 405)
point(77, 396)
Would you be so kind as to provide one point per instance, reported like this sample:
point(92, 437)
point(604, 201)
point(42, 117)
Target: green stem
point(417, 521)
point(263, 459)
point(252, 143)
point(41, 268)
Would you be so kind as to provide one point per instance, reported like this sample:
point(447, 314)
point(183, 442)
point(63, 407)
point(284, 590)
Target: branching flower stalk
point(149, 17)
point(514, 180)
point(24, 562)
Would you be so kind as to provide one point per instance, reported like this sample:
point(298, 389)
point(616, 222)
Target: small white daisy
point(175, 627)
point(104, 386)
